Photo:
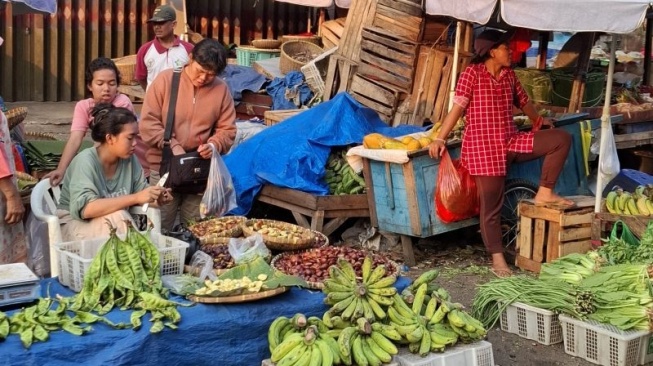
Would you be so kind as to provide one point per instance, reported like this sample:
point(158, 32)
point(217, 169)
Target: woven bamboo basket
point(316, 40)
point(272, 44)
point(30, 135)
point(127, 67)
point(15, 116)
point(302, 239)
point(217, 237)
point(295, 54)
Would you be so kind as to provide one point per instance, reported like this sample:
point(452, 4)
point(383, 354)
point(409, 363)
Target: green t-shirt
point(84, 181)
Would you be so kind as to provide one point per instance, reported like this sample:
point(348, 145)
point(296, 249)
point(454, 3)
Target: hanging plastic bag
point(456, 197)
point(621, 231)
point(609, 163)
point(244, 250)
point(219, 196)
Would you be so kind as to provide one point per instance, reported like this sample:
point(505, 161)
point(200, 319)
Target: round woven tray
point(295, 54)
point(266, 43)
point(15, 116)
point(311, 39)
point(320, 285)
point(218, 237)
point(305, 240)
point(40, 136)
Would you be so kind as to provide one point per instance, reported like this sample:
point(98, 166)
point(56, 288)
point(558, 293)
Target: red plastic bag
point(456, 197)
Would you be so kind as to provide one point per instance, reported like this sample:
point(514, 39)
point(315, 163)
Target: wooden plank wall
point(44, 57)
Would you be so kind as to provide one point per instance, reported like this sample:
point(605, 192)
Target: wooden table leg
point(318, 220)
point(407, 246)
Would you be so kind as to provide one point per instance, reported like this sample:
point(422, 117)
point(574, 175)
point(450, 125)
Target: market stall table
point(211, 334)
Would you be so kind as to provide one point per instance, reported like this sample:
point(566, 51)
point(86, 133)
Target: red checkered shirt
point(490, 131)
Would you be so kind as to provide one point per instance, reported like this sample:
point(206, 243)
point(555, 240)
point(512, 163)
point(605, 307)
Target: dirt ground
point(463, 262)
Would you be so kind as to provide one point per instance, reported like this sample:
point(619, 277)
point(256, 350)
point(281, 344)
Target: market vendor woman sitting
point(102, 182)
point(487, 91)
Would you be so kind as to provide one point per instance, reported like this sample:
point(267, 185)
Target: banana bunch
point(367, 343)
point(432, 328)
point(351, 299)
point(282, 327)
point(307, 348)
point(340, 177)
point(639, 202)
point(408, 294)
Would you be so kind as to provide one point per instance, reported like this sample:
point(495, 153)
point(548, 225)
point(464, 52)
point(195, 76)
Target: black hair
point(210, 54)
point(109, 120)
point(101, 63)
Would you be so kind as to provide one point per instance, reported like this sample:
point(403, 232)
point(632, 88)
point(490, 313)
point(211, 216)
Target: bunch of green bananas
point(302, 347)
point(366, 343)
point(351, 299)
point(340, 177)
point(639, 202)
point(432, 327)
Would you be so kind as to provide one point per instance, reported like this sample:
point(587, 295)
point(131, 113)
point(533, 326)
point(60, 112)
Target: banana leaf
point(258, 267)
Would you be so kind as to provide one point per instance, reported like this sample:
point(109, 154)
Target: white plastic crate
point(529, 322)
point(646, 357)
point(76, 256)
point(313, 72)
point(602, 344)
point(268, 362)
point(474, 354)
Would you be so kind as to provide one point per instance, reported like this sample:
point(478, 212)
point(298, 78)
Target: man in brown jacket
point(204, 115)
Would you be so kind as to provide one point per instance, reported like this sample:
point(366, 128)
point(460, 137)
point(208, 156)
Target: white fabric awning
point(319, 3)
point(612, 16)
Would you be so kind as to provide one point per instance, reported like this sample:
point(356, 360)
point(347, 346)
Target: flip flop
point(501, 273)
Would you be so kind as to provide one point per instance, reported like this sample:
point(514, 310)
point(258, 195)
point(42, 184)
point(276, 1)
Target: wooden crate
point(311, 211)
point(339, 75)
point(331, 32)
point(274, 117)
point(381, 97)
point(388, 58)
point(548, 232)
point(253, 105)
point(602, 223)
point(400, 17)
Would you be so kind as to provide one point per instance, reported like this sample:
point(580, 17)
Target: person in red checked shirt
point(486, 91)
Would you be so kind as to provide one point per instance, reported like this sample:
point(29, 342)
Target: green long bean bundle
point(494, 297)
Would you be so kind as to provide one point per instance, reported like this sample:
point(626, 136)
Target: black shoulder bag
point(189, 172)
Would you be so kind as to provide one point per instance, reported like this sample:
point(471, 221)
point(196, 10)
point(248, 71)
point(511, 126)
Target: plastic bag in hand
point(456, 197)
point(244, 250)
point(219, 196)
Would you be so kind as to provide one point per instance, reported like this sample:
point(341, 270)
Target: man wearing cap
point(165, 51)
point(486, 92)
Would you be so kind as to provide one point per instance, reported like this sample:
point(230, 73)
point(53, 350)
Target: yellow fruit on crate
point(393, 144)
point(424, 141)
point(413, 145)
point(373, 141)
point(407, 139)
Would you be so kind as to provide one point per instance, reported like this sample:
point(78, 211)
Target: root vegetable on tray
point(313, 265)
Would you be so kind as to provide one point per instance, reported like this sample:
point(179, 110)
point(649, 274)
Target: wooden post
point(66, 56)
point(647, 53)
point(38, 58)
point(132, 45)
point(543, 40)
point(52, 41)
point(80, 61)
point(577, 90)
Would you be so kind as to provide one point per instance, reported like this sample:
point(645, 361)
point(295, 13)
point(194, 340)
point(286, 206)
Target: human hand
point(205, 150)
point(15, 209)
point(150, 194)
point(437, 148)
point(165, 197)
point(55, 177)
point(542, 123)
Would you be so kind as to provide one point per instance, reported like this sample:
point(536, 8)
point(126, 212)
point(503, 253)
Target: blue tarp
point(33, 6)
point(241, 78)
point(293, 154)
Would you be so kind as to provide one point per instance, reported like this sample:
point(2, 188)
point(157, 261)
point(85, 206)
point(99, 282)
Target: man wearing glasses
point(165, 51)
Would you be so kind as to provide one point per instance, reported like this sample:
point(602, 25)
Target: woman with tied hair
point(102, 182)
point(486, 91)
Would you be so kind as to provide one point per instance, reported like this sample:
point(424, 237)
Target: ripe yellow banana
point(642, 207)
point(610, 201)
point(379, 352)
point(631, 206)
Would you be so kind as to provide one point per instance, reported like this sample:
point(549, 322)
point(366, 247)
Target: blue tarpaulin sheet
point(293, 154)
point(33, 6)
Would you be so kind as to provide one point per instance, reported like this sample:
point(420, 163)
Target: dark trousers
point(554, 145)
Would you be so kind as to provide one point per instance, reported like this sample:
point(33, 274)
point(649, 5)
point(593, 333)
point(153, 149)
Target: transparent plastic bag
point(219, 196)
point(38, 248)
point(609, 166)
point(456, 196)
point(244, 250)
point(202, 265)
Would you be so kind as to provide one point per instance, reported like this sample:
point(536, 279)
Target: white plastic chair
point(43, 203)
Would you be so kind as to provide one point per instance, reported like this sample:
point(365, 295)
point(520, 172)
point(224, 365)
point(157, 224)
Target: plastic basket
point(602, 344)
point(529, 322)
point(315, 72)
point(76, 256)
point(562, 80)
point(474, 354)
point(245, 56)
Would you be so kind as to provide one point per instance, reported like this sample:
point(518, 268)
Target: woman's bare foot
point(547, 196)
